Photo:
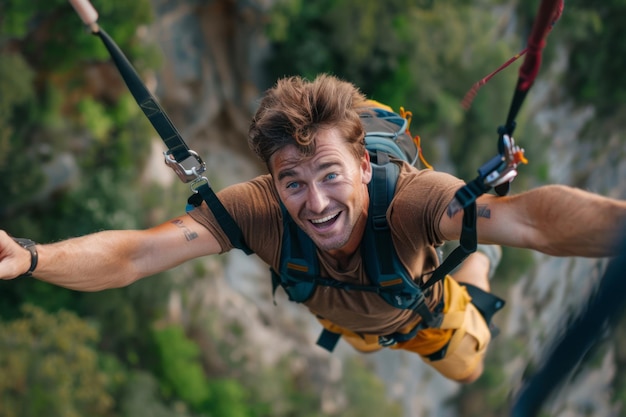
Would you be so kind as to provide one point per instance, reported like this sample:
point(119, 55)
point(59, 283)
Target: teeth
point(324, 219)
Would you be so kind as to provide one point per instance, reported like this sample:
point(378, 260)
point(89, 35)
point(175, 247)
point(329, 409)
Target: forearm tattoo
point(189, 234)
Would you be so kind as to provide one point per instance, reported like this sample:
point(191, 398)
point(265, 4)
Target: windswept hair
point(295, 110)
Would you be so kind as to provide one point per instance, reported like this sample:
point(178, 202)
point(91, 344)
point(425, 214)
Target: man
point(310, 136)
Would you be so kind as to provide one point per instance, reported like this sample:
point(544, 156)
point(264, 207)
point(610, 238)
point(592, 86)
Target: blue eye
point(292, 185)
point(331, 176)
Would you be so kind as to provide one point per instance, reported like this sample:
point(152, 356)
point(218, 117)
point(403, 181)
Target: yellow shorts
point(463, 331)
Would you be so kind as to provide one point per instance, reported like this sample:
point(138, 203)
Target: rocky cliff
point(209, 84)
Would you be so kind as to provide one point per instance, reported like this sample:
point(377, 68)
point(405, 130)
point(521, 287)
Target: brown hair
point(295, 110)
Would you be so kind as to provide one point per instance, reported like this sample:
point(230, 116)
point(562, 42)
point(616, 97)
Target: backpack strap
point(298, 263)
point(380, 258)
point(298, 272)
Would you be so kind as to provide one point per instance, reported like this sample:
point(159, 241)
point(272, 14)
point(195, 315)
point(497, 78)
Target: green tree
point(366, 393)
point(48, 109)
point(183, 377)
point(43, 45)
point(141, 397)
point(16, 84)
point(52, 36)
point(181, 371)
point(423, 56)
point(49, 366)
point(595, 32)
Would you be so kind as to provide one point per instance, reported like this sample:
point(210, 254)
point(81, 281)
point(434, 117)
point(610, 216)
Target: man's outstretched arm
point(554, 219)
point(110, 259)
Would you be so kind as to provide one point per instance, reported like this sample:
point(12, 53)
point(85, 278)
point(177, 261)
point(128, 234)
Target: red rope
point(469, 96)
point(549, 13)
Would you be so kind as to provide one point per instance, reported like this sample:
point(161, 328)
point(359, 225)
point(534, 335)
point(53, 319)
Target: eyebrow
point(286, 173)
point(290, 172)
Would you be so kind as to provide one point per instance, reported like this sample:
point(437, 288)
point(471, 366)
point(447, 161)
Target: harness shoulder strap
point(380, 258)
point(382, 188)
point(223, 217)
point(298, 264)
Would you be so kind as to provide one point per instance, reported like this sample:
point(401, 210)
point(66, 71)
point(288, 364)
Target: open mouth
point(325, 221)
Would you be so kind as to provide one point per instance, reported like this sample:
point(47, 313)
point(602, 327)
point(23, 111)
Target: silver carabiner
point(199, 182)
point(507, 171)
point(187, 170)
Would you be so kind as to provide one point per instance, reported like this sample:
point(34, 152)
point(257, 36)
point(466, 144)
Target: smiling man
point(310, 136)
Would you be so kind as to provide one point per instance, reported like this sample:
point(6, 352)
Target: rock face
point(558, 287)
point(208, 81)
point(209, 85)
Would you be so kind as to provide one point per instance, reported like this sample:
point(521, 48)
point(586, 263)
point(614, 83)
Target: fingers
point(14, 259)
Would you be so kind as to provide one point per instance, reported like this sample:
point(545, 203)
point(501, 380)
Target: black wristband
point(34, 257)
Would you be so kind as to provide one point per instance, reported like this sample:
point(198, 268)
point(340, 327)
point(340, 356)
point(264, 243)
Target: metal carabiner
point(196, 166)
point(512, 155)
point(199, 182)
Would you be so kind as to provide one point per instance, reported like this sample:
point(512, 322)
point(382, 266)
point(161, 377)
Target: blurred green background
point(64, 353)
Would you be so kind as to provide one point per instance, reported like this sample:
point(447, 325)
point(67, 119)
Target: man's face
point(326, 194)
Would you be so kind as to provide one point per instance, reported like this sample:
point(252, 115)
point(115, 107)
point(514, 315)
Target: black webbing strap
point(382, 189)
point(223, 217)
point(328, 340)
point(176, 146)
point(468, 243)
point(384, 258)
point(486, 303)
point(150, 107)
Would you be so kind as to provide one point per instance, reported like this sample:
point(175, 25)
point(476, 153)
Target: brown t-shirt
point(421, 199)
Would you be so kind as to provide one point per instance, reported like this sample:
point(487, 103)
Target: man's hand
point(14, 259)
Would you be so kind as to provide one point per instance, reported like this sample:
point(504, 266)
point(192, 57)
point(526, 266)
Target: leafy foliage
point(423, 55)
point(16, 84)
point(598, 52)
point(182, 372)
point(49, 367)
point(52, 36)
point(41, 47)
point(366, 393)
point(183, 377)
point(420, 56)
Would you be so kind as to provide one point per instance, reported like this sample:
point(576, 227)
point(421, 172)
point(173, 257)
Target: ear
point(366, 168)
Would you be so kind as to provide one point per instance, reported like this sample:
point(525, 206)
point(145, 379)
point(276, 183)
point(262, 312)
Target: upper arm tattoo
point(189, 234)
point(483, 210)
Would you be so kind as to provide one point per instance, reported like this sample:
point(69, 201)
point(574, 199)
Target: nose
point(316, 200)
